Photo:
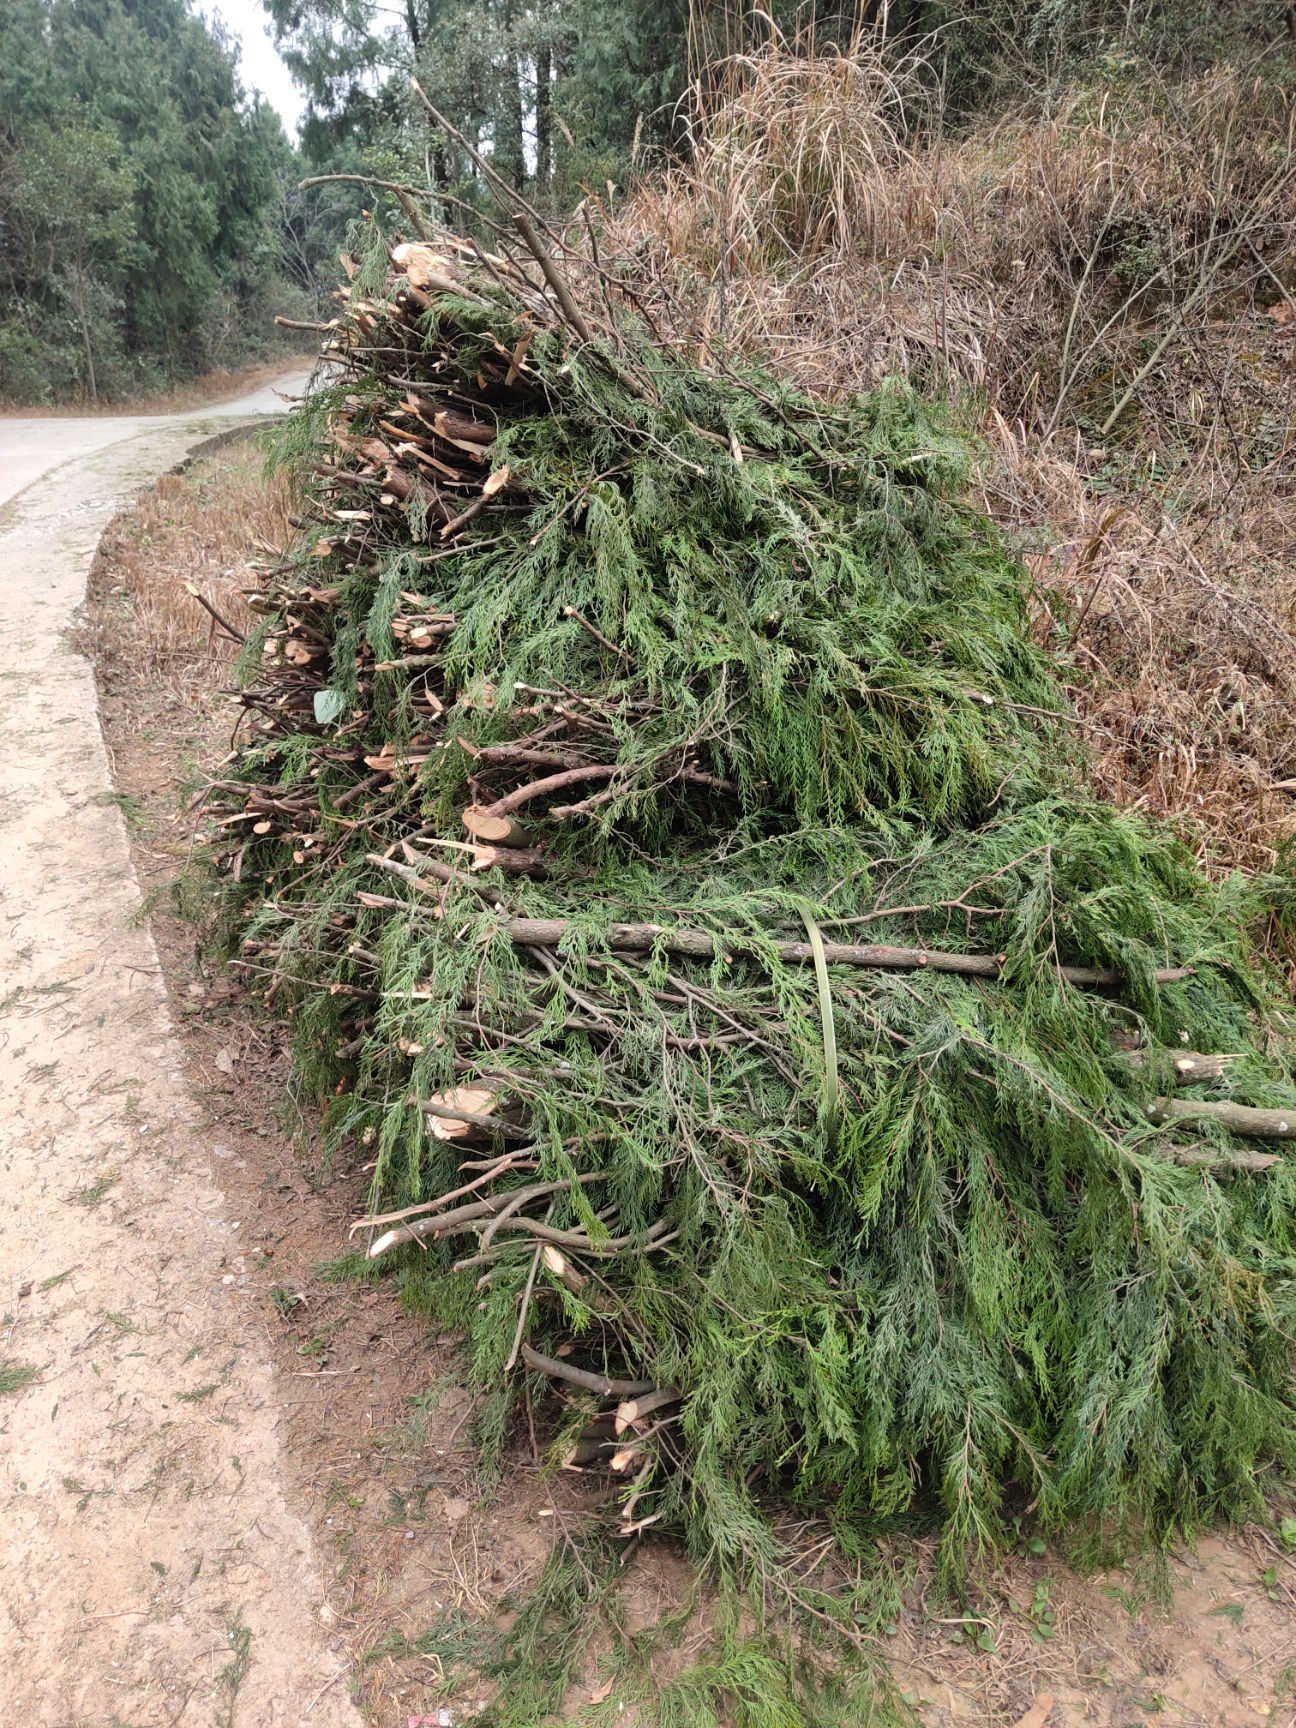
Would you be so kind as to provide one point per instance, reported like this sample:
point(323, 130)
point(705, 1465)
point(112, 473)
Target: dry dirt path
point(152, 1573)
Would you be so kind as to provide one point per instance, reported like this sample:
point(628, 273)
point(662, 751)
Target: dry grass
point(796, 153)
point(199, 529)
point(1105, 292)
point(1030, 259)
point(1181, 627)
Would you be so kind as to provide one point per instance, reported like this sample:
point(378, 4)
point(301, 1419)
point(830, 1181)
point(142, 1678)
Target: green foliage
point(555, 94)
point(15, 1375)
point(140, 190)
point(980, 1285)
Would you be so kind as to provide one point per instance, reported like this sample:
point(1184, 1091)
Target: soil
point(364, 1429)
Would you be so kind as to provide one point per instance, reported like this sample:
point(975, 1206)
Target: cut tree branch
point(701, 945)
point(600, 1383)
point(1237, 1118)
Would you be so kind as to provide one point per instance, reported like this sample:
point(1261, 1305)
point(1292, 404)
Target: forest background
point(151, 221)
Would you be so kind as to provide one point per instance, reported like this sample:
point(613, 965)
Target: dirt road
point(32, 447)
point(152, 1573)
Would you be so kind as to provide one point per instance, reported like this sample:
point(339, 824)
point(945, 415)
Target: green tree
point(550, 92)
point(69, 199)
point(139, 196)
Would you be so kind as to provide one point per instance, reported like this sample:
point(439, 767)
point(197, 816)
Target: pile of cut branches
point(675, 860)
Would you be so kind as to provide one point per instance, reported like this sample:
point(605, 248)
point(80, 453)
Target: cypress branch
point(700, 660)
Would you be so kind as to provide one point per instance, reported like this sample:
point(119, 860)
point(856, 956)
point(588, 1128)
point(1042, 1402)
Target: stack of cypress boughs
point(676, 862)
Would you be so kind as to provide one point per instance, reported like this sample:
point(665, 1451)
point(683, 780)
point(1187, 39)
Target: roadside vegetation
point(146, 228)
point(197, 531)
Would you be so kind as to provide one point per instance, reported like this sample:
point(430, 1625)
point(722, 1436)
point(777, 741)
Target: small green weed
point(285, 1301)
point(15, 1375)
point(132, 808)
point(346, 1269)
point(1230, 1611)
point(199, 1394)
point(94, 1192)
point(1042, 1615)
point(233, 1674)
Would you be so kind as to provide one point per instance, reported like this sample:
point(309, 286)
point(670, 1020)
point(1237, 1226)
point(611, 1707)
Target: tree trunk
point(84, 319)
point(544, 117)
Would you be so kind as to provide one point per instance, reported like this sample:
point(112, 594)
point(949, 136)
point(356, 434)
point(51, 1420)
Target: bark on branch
point(1237, 1118)
point(701, 945)
point(600, 1383)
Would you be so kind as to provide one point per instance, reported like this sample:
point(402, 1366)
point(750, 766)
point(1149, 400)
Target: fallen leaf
point(601, 1692)
point(1038, 1713)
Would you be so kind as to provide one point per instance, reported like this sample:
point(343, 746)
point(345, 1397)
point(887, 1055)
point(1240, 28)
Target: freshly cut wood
point(561, 1267)
point(417, 878)
point(633, 1412)
point(513, 860)
point(496, 830)
point(495, 822)
point(456, 1113)
point(417, 261)
point(1190, 1066)
point(425, 268)
point(400, 758)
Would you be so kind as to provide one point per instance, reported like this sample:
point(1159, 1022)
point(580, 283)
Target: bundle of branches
point(676, 863)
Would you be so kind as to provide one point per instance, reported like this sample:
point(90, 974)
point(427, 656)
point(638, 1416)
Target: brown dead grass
point(199, 529)
point(1181, 632)
point(1105, 294)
